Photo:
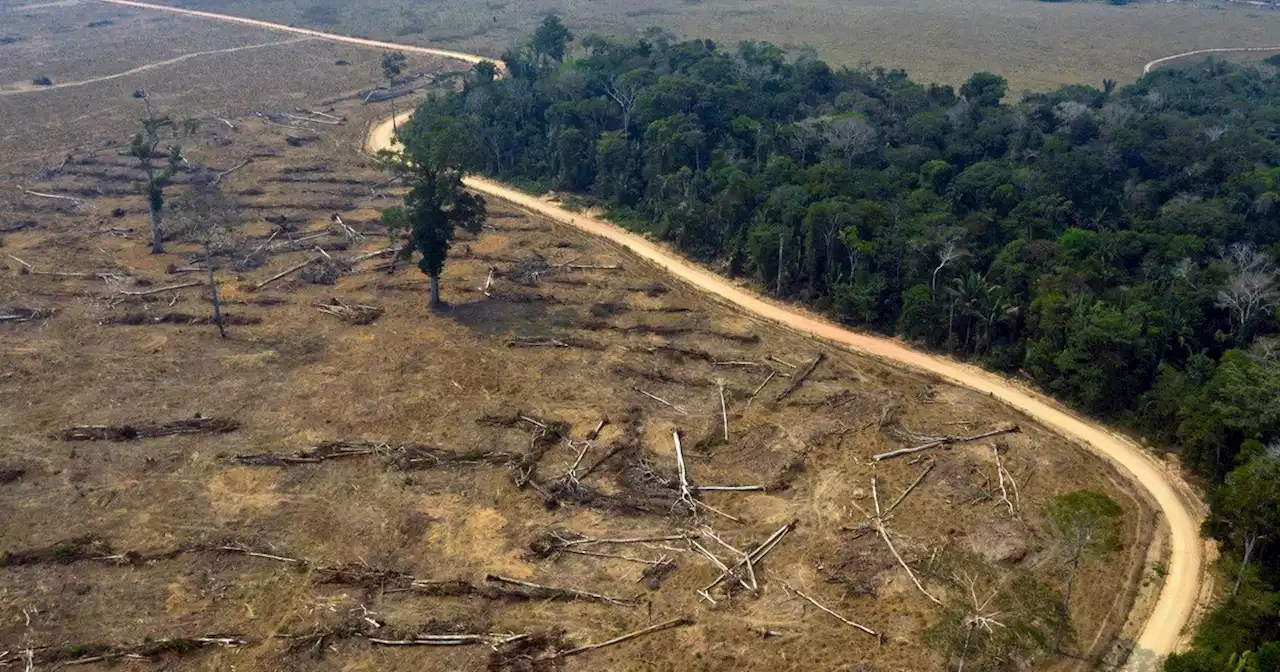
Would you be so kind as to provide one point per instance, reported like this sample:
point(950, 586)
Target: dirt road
point(1147, 68)
point(1163, 632)
point(469, 58)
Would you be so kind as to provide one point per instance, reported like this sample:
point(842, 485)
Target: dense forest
point(1115, 245)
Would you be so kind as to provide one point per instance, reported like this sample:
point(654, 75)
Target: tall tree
point(209, 218)
point(551, 40)
point(393, 64)
point(1250, 290)
point(438, 152)
point(145, 148)
point(1248, 507)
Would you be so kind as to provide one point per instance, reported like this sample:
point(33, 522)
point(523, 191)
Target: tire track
point(32, 88)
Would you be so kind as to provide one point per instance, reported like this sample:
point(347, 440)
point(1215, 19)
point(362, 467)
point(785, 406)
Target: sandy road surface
point(1147, 68)
point(1180, 594)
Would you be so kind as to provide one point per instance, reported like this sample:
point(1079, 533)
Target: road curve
point(1147, 68)
point(1180, 594)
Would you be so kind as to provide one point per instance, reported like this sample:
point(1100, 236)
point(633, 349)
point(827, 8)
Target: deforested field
point(349, 478)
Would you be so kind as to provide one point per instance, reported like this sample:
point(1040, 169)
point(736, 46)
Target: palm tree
point(967, 293)
point(997, 309)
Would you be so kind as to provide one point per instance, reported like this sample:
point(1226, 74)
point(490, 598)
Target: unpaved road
point(1163, 631)
point(408, 48)
point(1147, 68)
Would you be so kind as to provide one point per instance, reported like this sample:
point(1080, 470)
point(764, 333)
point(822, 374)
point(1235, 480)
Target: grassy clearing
point(1036, 45)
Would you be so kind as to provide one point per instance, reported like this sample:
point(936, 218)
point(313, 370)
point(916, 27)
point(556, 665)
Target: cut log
point(819, 605)
point(946, 440)
point(665, 625)
point(228, 171)
point(287, 271)
point(160, 290)
point(798, 380)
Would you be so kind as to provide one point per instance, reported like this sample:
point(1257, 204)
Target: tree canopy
point(437, 153)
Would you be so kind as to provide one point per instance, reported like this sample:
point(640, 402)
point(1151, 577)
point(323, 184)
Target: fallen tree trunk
point(287, 271)
point(196, 425)
point(657, 627)
point(796, 381)
point(943, 441)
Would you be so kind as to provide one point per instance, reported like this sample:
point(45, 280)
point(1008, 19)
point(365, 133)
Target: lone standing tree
point(143, 148)
point(210, 218)
point(438, 152)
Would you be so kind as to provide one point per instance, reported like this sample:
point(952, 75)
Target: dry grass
point(297, 378)
point(1037, 45)
point(41, 126)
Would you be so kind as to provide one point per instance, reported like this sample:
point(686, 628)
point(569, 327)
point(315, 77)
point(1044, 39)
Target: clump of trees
point(1117, 245)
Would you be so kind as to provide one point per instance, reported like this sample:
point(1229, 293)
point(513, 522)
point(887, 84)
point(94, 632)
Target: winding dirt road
point(1181, 592)
point(360, 41)
point(1147, 68)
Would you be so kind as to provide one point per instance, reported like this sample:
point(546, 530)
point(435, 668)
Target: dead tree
point(979, 620)
point(211, 217)
point(878, 523)
point(1250, 290)
point(796, 381)
point(937, 441)
point(624, 89)
point(946, 254)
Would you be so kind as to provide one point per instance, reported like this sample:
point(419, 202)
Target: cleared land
point(427, 485)
point(42, 126)
point(1037, 45)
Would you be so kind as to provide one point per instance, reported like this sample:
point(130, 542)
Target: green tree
point(145, 148)
point(1246, 509)
point(438, 152)
point(1086, 521)
point(551, 39)
point(984, 89)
